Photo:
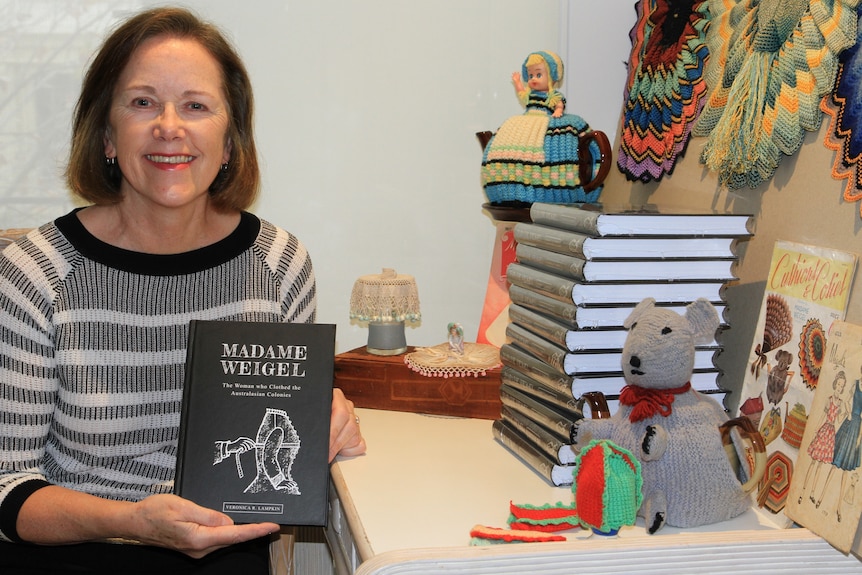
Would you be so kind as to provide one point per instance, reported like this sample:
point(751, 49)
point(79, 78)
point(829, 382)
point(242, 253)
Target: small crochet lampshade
point(385, 301)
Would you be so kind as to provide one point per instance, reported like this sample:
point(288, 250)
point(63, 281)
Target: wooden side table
point(386, 382)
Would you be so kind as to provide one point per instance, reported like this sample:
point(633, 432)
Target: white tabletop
point(427, 480)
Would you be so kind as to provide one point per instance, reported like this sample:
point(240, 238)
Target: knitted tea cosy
point(665, 89)
point(771, 61)
point(670, 428)
point(607, 487)
point(537, 157)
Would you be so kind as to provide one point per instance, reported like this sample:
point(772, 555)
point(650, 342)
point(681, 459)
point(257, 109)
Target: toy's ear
point(640, 309)
point(703, 319)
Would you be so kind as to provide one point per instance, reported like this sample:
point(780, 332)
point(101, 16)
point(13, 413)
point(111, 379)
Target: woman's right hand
point(176, 523)
point(56, 515)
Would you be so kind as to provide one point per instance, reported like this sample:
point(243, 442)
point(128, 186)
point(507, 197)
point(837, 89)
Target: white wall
point(366, 118)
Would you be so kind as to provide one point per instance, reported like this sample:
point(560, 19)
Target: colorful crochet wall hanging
point(844, 106)
point(771, 63)
point(665, 88)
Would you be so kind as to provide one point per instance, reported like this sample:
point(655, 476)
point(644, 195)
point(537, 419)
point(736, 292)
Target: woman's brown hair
point(88, 173)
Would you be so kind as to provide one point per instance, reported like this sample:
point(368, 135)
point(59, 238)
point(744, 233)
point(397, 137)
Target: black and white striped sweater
point(93, 343)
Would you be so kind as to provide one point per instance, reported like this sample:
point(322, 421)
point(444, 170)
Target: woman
point(94, 310)
point(822, 446)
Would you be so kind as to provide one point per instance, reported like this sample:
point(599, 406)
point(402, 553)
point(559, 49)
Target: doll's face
point(537, 77)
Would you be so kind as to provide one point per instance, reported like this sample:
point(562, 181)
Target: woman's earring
point(111, 161)
point(224, 167)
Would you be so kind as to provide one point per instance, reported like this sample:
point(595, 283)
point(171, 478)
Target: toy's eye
point(666, 331)
point(633, 325)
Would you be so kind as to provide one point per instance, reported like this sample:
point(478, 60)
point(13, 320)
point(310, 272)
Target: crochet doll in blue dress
point(544, 154)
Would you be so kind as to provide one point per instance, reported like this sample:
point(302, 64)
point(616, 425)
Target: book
point(626, 270)
point(807, 289)
point(825, 495)
point(532, 455)
point(558, 420)
point(582, 317)
point(590, 361)
point(559, 449)
point(599, 339)
point(608, 220)
point(613, 292)
point(591, 247)
point(254, 426)
point(562, 399)
point(609, 384)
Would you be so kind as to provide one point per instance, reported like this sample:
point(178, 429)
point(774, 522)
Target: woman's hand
point(345, 437)
point(177, 523)
point(55, 515)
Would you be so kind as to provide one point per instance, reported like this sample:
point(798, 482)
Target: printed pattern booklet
point(807, 289)
point(254, 430)
point(825, 494)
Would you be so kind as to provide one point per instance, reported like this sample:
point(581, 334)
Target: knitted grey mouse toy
point(671, 428)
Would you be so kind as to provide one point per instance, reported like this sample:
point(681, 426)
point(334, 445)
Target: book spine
point(533, 367)
point(551, 285)
point(565, 217)
point(539, 324)
point(190, 367)
point(546, 351)
point(562, 311)
point(561, 399)
point(552, 419)
point(560, 450)
point(547, 238)
point(567, 266)
point(530, 454)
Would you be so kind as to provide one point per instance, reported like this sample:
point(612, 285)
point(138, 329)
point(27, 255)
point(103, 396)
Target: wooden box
point(386, 382)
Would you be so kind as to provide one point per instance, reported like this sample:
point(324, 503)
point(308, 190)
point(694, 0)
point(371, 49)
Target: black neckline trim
point(194, 261)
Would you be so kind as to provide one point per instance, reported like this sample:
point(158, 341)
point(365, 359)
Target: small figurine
point(544, 154)
point(456, 338)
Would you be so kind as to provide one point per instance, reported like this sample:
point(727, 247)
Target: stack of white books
point(580, 271)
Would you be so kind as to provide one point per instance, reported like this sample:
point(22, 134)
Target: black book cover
point(254, 430)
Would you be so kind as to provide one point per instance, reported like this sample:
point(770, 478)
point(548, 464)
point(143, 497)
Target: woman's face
point(168, 123)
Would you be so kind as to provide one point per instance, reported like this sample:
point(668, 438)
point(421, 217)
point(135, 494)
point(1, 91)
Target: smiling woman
point(95, 309)
point(167, 135)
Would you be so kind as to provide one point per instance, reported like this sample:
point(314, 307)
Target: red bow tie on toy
point(648, 402)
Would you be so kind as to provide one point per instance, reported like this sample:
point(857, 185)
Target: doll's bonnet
point(554, 63)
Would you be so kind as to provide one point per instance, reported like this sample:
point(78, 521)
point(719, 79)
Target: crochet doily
point(844, 106)
point(665, 89)
point(441, 361)
point(771, 61)
point(388, 296)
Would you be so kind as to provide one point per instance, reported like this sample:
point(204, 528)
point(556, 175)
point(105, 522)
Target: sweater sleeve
point(28, 374)
point(287, 258)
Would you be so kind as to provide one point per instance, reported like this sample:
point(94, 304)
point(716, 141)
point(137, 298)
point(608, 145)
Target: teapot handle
point(597, 403)
point(753, 446)
point(590, 181)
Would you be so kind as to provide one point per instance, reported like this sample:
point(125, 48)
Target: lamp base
point(386, 338)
